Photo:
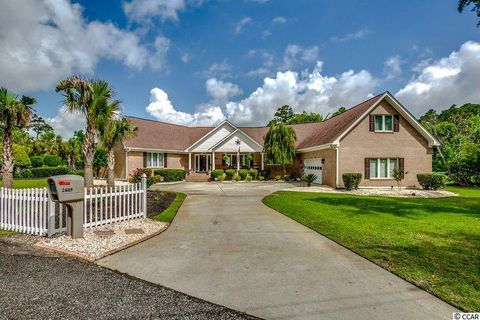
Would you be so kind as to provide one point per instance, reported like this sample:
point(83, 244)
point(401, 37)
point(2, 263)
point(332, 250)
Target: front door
point(202, 162)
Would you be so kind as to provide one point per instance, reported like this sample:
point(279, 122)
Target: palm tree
point(112, 133)
point(14, 112)
point(279, 146)
point(92, 99)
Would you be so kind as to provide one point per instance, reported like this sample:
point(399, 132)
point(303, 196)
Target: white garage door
point(313, 166)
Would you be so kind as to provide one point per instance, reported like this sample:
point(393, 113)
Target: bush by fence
point(216, 174)
point(170, 175)
point(431, 181)
point(351, 180)
point(43, 172)
point(229, 173)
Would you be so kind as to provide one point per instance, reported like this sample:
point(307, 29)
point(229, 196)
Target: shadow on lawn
point(407, 208)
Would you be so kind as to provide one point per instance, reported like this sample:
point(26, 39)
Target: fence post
point(144, 194)
point(51, 215)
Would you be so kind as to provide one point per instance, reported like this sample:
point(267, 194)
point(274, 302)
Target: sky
point(198, 62)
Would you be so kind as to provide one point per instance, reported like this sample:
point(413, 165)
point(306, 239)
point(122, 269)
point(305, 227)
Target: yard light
point(238, 143)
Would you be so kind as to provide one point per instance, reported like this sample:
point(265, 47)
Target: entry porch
point(206, 162)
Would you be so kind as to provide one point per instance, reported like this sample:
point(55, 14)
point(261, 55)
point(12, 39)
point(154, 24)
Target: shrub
point(44, 172)
point(216, 174)
point(26, 174)
point(287, 177)
point(237, 177)
point(309, 179)
point(229, 173)
point(261, 178)
point(78, 172)
point(351, 180)
point(265, 174)
point(294, 176)
point(248, 178)
point(221, 178)
point(37, 161)
point(52, 161)
point(20, 156)
point(157, 179)
point(253, 173)
point(136, 176)
point(170, 175)
point(278, 178)
point(431, 181)
point(243, 173)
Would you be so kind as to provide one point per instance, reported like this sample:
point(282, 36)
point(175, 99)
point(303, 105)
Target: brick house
point(371, 138)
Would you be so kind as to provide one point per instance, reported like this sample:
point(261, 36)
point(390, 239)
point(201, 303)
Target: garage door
point(313, 166)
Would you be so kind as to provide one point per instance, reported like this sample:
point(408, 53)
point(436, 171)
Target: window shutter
point(164, 160)
point(372, 122)
point(401, 166)
point(367, 168)
point(144, 159)
point(396, 122)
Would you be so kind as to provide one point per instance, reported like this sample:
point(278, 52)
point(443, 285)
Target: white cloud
point(266, 34)
point(441, 83)
point(261, 71)
point(54, 40)
point(351, 36)
point(279, 20)
point(242, 24)
point(310, 91)
point(158, 58)
point(218, 70)
point(185, 57)
point(221, 91)
point(393, 67)
point(142, 10)
point(65, 123)
point(161, 108)
point(294, 54)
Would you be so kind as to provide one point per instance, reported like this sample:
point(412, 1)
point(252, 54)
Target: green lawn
point(168, 214)
point(28, 183)
point(433, 243)
point(4, 233)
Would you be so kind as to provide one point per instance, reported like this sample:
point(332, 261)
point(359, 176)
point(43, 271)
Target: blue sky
point(212, 57)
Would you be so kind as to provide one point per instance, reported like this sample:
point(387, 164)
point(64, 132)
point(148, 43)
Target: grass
point(168, 214)
point(433, 243)
point(28, 183)
point(4, 233)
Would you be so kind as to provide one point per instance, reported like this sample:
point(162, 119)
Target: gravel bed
point(36, 285)
point(94, 246)
point(402, 193)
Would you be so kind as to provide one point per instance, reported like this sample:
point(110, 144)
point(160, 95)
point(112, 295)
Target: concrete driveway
point(226, 247)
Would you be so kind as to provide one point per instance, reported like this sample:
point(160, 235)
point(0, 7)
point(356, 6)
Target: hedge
point(253, 173)
point(37, 161)
point(44, 172)
point(170, 175)
point(351, 180)
point(216, 174)
point(229, 173)
point(431, 181)
point(243, 173)
point(52, 161)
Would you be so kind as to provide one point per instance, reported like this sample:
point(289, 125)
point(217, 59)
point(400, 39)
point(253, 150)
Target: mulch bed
point(157, 201)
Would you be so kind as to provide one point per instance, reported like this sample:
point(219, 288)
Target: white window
point(383, 123)
point(382, 168)
point(154, 160)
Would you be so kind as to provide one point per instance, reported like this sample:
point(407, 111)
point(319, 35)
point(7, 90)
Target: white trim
point(219, 143)
point(126, 164)
point(389, 169)
point(210, 133)
point(337, 162)
point(315, 148)
point(155, 150)
point(432, 142)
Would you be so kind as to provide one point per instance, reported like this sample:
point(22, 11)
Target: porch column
point(238, 159)
point(213, 160)
point(262, 165)
point(189, 162)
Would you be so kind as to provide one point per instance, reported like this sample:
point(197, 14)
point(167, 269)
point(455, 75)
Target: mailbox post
point(69, 190)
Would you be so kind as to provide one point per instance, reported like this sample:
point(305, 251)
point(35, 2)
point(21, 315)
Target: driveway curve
point(226, 247)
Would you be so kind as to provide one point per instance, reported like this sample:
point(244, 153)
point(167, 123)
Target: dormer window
point(383, 123)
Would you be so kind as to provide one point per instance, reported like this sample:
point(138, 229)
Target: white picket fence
point(33, 211)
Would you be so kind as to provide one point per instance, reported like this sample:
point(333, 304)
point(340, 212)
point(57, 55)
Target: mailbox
point(69, 190)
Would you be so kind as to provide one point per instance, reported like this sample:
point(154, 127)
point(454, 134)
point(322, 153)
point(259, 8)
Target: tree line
point(90, 98)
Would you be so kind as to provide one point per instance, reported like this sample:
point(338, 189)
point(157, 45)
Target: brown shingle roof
point(153, 134)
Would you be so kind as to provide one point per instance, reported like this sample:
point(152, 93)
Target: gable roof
point(156, 135)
